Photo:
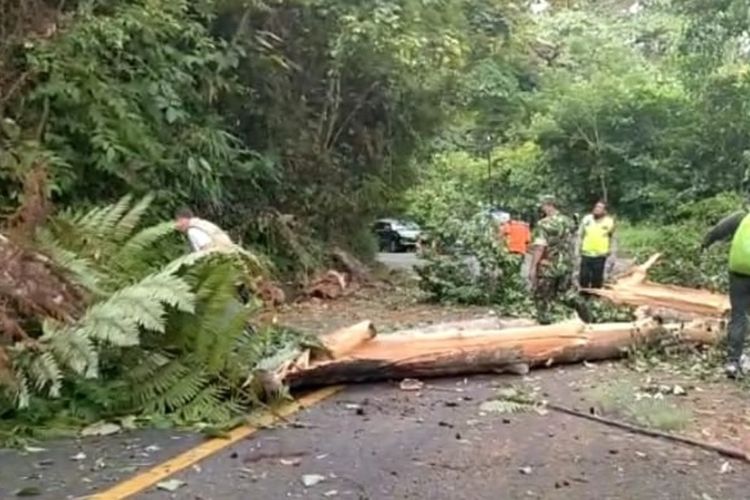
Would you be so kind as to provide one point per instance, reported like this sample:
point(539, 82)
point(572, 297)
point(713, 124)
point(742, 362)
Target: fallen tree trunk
point(635, 290)
point(485, 351)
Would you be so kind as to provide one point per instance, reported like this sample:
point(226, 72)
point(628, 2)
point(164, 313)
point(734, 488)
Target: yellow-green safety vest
point(739, 252)
point(596, 236)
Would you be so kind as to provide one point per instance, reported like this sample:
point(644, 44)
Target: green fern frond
point(118, 319)
point(80, 269)
point(126, 224)
point(147, 367)
point(102, 221)
point(142, 240)
point(208, 406)
point(112, 215)
point(22, 392)
point(147, 391)
point(181, 392)
point(45, 373)
point(72, 349)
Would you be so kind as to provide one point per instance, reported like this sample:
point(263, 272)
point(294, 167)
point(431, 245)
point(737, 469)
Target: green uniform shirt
point(555, 233)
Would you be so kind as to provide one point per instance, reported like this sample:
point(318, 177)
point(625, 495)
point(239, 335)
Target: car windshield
point(410, 226)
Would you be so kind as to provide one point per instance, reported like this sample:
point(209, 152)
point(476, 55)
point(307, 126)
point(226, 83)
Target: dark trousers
point(592, 272)
point(739, 299)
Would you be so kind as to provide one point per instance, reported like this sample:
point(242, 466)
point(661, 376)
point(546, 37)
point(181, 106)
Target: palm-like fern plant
point(174, 334)
point(100, 250)
point(104, 248)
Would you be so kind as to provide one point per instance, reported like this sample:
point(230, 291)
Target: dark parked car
point(396, 235)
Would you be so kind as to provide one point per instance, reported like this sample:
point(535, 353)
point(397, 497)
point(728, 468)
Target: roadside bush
point(475, 268)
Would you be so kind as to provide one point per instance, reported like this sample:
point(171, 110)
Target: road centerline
point(146, 479)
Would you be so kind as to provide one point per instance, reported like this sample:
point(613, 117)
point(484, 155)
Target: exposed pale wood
point(483, 323)
point(481, 351)
point(634, 289)
point(344, 340)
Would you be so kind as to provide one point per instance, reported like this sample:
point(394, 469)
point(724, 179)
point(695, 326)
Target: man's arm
point(579, 237)
point(537, 252)
point(538, 246)
point(724, 230)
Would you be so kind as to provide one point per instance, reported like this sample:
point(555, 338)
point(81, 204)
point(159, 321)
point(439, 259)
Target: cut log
point(635, 290)
point(345, 340)
point(486, 351)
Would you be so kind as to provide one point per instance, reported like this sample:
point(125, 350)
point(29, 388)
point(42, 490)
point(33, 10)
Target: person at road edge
point(737, 227)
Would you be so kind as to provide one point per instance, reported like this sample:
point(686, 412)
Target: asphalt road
point(374, 442)
point(377, 442)
point(401, 261)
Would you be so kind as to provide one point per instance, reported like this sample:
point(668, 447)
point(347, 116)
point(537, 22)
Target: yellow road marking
point(184, 460)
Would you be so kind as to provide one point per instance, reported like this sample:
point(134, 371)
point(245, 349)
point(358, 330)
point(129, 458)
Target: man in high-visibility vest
point(737, 227)
point(595, 245)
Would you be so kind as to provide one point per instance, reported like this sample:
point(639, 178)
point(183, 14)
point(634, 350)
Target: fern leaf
point(207, 405)
point(44, 372)
point(104, 221)
point(170, 290)
point(142, 241)
point(147, 392)
point(72, 349)
point(117, 320)
point(148, 366)
point(22, 393)
point(181, 392)
point(126, 224)
point(79, 268)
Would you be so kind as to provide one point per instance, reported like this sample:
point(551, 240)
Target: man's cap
point(547, 199)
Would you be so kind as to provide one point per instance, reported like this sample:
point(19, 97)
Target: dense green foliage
point(287, 122)
point(480, 271)
point(616, 111)
point(644, 108)
point(293, 124)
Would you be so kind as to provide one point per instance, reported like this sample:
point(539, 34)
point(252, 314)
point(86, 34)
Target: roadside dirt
point(391, 305)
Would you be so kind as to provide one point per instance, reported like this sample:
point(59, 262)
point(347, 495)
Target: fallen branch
point(634, 289)
point(635, 429)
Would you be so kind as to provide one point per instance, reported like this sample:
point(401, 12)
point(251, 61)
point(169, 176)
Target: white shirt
point(199, 239)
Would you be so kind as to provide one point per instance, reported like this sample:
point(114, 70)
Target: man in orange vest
point(516, 235)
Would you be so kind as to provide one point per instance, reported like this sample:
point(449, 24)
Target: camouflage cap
point(547, 199)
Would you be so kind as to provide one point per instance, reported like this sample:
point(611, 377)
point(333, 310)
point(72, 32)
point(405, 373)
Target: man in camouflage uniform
point(551, 270)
